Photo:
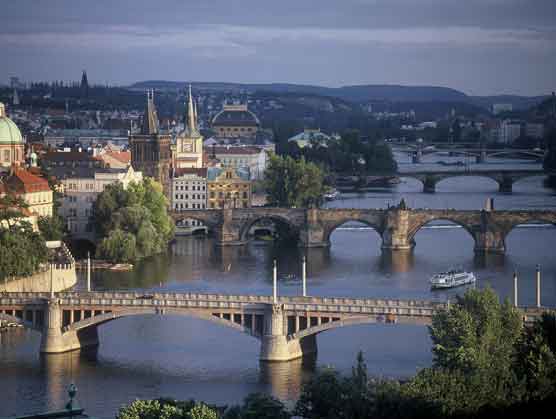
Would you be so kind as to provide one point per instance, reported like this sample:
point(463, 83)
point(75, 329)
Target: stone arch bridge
point(504, 178)
point(397, 227)
point(286, 328)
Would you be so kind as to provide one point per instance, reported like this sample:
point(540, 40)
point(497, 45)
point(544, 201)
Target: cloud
point(246, 40)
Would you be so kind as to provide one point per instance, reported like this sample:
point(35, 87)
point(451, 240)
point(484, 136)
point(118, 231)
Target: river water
point(179, 357)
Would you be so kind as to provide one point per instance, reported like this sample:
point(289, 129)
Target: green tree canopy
point(132, 222)
point(293, 183)
point(22, 251)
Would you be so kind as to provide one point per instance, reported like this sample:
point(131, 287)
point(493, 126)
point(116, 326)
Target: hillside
point(362, 93)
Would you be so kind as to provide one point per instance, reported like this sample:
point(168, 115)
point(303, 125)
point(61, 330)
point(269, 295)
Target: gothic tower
point(84, 85)
point(189, 143)
point(150, 149)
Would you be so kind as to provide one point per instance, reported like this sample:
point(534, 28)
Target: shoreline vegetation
point(486, 364)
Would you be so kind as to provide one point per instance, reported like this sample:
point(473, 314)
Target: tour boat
point(452, 278)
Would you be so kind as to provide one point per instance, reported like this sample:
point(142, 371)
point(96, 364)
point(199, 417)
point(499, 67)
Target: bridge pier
point(505, 185)
point(482, 157)
point(395, 236)
point(490, 242)
point(275, 343)
point(429, 184)
point(313, 234)
point(418, 157)
point(55, 340)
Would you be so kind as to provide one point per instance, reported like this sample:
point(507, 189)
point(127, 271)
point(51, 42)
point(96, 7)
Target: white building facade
point(80, 191)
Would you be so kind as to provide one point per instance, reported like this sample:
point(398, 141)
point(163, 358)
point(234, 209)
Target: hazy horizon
point(479, 47)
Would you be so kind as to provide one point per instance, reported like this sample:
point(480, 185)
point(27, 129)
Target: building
point(81, 186)
point(69, 159)
point(310, 137)
point(235, 121)
point(228, 188)
point(33, 189)
point(534, 130)
point(498, 108)
point(12, 146)
point(189, 189)
point(150, 149)
point(188, 151)
point(250, 159)
point(509, 131)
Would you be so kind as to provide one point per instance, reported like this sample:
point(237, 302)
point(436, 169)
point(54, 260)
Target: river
point(179, 357)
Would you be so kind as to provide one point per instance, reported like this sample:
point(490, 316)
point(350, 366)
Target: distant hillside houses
point(312, 137)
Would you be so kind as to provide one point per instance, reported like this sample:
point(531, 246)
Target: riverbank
point(99, 264)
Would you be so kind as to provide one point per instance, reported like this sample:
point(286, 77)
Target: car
point(145, 297)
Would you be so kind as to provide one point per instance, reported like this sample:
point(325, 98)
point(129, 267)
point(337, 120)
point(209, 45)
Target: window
point(212, 195)
point(6, 155)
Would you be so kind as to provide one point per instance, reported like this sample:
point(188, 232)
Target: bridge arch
point(332, 227)
point(441, 178)
point(508, 229)
point(229, 320)
point(454, 220)
point(275, 218)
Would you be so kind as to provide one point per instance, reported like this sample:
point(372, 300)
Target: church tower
point(189, 143)
point(150, 149)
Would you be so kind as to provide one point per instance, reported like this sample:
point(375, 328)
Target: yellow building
point(228, 188)
point(34, 190)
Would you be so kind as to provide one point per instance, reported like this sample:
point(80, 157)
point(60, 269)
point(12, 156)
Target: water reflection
point(396, 261)
point(285, 379)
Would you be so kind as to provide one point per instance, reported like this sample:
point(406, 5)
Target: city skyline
point(480, 47)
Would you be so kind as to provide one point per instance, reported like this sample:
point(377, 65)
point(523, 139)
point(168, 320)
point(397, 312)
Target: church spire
point(191, 120)
point(195, 116)
point(150, 119)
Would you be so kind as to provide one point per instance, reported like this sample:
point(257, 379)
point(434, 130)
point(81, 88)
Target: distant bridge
point(481, 155)
point(504, 178)
point(396, 226)
point(286, 328)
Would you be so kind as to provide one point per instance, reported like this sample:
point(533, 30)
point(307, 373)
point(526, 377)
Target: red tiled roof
point(23, 181)
point(121, 156)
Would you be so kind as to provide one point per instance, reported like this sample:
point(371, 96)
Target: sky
point(480, 47)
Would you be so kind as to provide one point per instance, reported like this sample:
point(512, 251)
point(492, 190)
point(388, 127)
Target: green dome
point(9, 132)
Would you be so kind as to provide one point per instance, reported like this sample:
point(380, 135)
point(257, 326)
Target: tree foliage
point(351, 155)
point(52, 228)
point(132, 222)
point(166, 409)
point(22, 251)
point(293, 183)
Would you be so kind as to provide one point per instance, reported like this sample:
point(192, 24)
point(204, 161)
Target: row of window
point(193, 188)
point(228, 195)
point(236, 129)
point(234, 204)
point(193, 196)
point(181, 205)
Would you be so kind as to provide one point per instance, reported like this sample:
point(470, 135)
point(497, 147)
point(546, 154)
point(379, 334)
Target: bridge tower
point(276, 345)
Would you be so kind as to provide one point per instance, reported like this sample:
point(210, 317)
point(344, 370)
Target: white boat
point(331, 195)
point(452, 278)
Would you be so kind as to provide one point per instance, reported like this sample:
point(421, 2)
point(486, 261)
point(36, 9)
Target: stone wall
point(64, 277)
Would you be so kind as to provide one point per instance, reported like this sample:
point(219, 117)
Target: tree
point(132, 222)
point(22, 251)
point(474, 347)
point(536, 361)
point(258, 406)
point(52, 228)
point(293, 183)
point(201, 411)
point(322, 397)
